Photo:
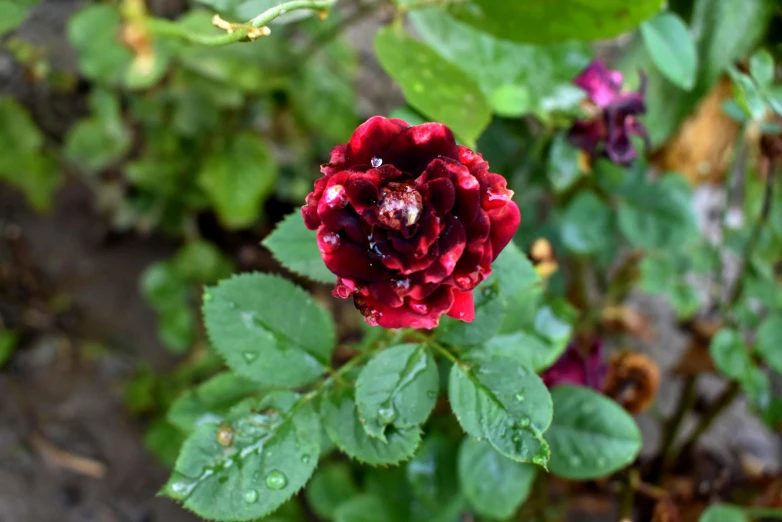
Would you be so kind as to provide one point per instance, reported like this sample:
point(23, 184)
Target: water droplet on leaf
point(207, 297)
point(520, 397)
point(276, 480)
point(225, 435)
point(386, 415)
point(250, 356)
point(525, 422)
point(575, 461)
point(305, 459)
point(431, 394)
point(250, 496)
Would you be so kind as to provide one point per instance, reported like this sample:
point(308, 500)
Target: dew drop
point(376, 162)
point(328, 241)
point(540, 460)
point(525, 422)
point(276, 480)
point(225, 435)
point(386, 415)
point(520, 397)
point(575, 461)
point(250, 496)
point(516, 439)
point(249, 356)
point(305, 459)
point(431, 394)
point(419, 308)
point(207, 297)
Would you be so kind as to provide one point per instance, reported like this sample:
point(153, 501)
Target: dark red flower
point(578, 366)
point(615, 115)
point(409, 222)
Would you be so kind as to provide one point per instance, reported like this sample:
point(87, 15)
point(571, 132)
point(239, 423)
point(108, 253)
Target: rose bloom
point(579, 367)
point(614, 115)
point(410, 222)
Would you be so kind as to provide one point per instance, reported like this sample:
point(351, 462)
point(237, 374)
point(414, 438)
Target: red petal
point(362, 189)
point(351, 261)
point(463, 306)
point(372, 138)
point(441, 195)
point(504, 223)
point(414, 148)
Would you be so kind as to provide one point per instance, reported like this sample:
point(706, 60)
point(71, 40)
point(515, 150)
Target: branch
point(248, 31)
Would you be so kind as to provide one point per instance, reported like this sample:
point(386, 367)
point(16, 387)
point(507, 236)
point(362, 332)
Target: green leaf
point(513, 271)
point(343, 425)
point(671, 48)
point(177, 327)
point(500, 400)
point(268, 329)
point(163, 286)
point(398, 388)
point(591, 436)
point(563, 168)
point(432, 85)
point(13, 13)
point(431, 475)
point(527, 348)
point(761, 67)
point(730, 354)
point(489, 313)
point(296, 248)
point(363, 508)
point(210, 401)
point(238, 176)
point(552, 22)
point(769, 341)
point(331, 486)
point(723, 513)
point(100, 140)
point(94, 31)
point(516, 78)
point(247, 467)
point(587, 224)
point(493, 485)
point(164, 441)
point(202, 262)
point(8, 341)
point(23, 163)
point(510, 101)
point(658, 215)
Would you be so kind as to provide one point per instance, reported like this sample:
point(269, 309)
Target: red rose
point(409, 222)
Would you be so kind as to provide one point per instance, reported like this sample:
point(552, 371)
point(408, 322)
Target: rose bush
point(409, 222)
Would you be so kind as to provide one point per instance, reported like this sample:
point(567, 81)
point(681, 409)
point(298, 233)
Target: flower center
point(400, 204)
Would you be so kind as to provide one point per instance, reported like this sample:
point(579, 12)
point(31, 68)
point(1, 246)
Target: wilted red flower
point(409, 222)
point(615, 120)
point(578, 366)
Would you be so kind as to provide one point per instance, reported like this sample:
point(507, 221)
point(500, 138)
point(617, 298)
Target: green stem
point(435, 345)
point(238, 32)
point(685, 403)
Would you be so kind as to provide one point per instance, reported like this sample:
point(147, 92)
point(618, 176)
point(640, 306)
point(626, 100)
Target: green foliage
point(723, 513)
point(555, 21)
point(100, 140)
point(268, 329)
point(94, 33)
point(246, 467)
point(494, 485)
point(730, 354)
point(671, 48)
point(13, 13)
point(331, 486)
point(590, 436)
point(563, 168)
point(769, 341)
point(24, 162)
point(489, 313)
point(296, 248)
point(588, 224)
point(432, 85)
point(344, 427)
point(8, 342)
point(516, 78)
point(237, 177)
point(498, 399)
point(397, 390)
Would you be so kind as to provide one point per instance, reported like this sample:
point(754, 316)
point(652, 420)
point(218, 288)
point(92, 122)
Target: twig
point(685, 403)
point(81, 465)
point(712, 413)
point(251, 30)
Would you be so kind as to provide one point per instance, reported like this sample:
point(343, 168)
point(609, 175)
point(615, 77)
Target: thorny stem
point(250, 30)
point(715, 410)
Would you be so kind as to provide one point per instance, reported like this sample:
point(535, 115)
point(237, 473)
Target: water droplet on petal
point(249, 356)
point(276, 480)
point(328, 241)
point(376, 162)
point(419, 308)
point(336, 197)
point(386, 415)
point(250, 496)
